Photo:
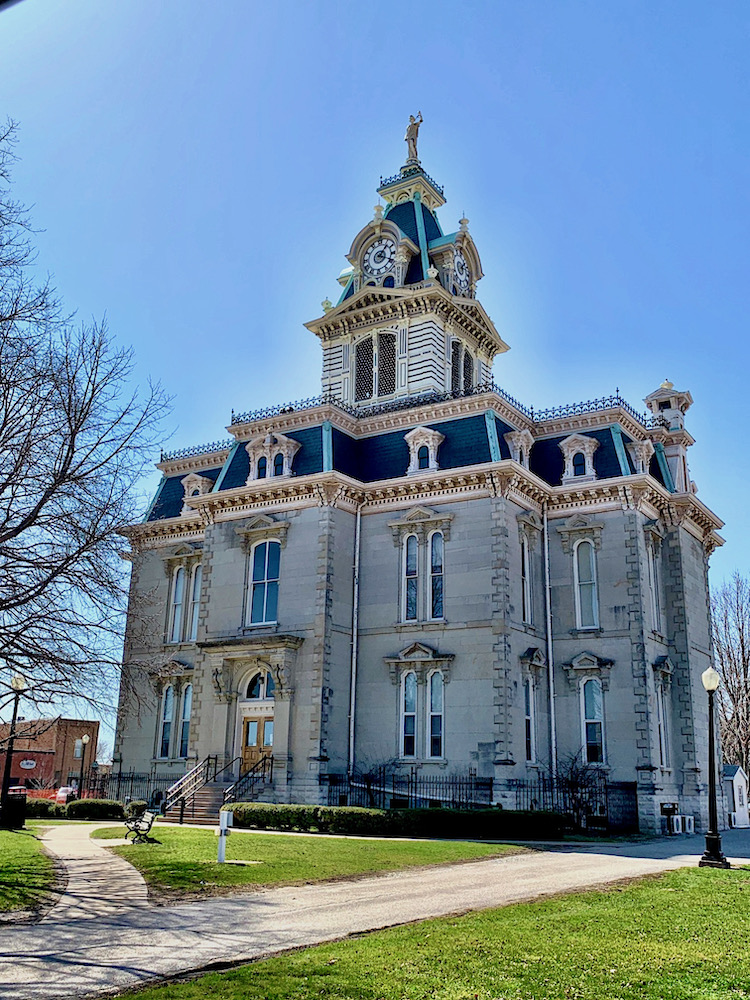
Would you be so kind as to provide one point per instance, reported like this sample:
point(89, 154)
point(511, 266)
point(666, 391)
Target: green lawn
point(683, 936)
point(26, 872)
point(184, 860)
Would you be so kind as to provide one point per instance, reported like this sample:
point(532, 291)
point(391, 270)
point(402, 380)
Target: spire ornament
point(412, 132)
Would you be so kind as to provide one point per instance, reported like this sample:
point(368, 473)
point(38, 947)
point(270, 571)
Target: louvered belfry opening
point(363, 373)
point(386, 364)
point(456, 366)
point(468, 371)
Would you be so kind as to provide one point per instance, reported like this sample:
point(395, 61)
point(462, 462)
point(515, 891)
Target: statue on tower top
point(412, 131)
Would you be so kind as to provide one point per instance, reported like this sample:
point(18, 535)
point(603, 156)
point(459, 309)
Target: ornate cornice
point(194, 463)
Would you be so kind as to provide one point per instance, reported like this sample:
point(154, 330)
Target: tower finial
point(412, 132)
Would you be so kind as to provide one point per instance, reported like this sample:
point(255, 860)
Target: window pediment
point(181, 555)
point(663, 670)
point(577, 527)
point(420, 521)
point(587, 665)
point(640, 453)
point(654, 534)
point(520, 444)
point(260, 528)
point(268, 447)
point(533, 659)
point(421, 659)
point(529, 527)
point(194, 485)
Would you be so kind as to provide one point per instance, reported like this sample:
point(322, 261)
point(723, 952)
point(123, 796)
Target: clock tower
point(408, 321)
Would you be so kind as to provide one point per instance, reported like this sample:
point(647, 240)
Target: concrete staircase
point(203, 808)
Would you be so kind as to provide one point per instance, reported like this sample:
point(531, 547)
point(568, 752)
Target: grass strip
point(184, 860)
point(27, 874)
point(681, 936)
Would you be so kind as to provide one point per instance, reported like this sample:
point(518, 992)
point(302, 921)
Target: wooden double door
point(257, 739)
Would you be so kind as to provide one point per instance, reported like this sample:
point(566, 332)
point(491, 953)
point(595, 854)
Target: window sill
point(254, 626)
point(587, 630)
point(425, 623)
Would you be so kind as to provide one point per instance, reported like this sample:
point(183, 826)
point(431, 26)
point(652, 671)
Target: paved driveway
point(104, 936)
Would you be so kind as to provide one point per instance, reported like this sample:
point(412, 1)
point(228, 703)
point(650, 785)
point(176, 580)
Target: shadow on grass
point(29, 879)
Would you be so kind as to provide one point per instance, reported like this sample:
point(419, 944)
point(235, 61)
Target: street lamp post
point(712, 856)
point(84, 743)
point(18, 684)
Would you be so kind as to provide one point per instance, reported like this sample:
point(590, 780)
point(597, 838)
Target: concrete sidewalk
point(74, 953)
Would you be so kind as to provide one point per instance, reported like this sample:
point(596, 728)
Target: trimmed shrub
point(456, 824)
point(94, 809)
point(43, 809)
point(135, 807)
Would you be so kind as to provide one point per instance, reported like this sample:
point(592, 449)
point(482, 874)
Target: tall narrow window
point(409, 716)
point(262, 467)
point(526, 607)
point(585, 586)
point(411, 578)
point(278, 465)
point(455, 366)
point(178, 604)
point(436, 575)
point(167, 714)
point(195, 600)
point(78, 749)
point(579, 464)
point(436, 714)
point(386, 364)
point(264, 587)
point(593, 721)
point(468, 371)
point(187, 708)
point(653, 581)
point(662, 725)
point(363, 371)
point(529, 721)
point(423, 457)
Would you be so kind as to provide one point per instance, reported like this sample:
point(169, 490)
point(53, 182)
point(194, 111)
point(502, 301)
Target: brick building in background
point(48, 752)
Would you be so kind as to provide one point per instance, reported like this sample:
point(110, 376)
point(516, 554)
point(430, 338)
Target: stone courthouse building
point(416, 571)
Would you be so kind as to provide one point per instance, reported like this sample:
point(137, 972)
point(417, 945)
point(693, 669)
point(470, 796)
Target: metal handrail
point(260, 773)
point(227, 767)
point(189, 783)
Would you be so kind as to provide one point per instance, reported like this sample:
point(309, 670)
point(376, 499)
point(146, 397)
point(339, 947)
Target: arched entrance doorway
point(255, 716)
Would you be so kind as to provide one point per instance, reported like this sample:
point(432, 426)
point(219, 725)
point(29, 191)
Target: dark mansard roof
point(386, 456)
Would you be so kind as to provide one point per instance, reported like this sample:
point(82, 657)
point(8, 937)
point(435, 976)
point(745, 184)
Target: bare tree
point(730, 619)
point(75, 439)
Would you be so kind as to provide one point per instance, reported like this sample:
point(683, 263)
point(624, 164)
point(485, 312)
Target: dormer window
point(195, 486)
point(520, 444)
point(423, 445)
point(578, 451)
point(275, 449)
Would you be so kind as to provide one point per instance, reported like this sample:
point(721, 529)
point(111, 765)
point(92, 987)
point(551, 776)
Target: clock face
point(380, 257)
point(461, 270)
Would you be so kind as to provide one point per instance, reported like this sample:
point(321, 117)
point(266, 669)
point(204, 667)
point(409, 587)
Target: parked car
point(65, 793)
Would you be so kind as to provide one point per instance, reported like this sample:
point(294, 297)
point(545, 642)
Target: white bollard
point(225, 821)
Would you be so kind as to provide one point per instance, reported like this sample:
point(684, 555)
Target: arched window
point(363, 375)
point(587, 610)
point(662, 725)
point(278, 465)
point(526, 606)
point(456, 366)
point(579, 464)
point(264, 583)
point(423, 457)
point(386, 364)
point(436, 714)
point(178, 605)
point(167, 715)
point(195, 601)
point(409, 716)
point(436, 575)
point(468, 371)
point(411, 578)
point(593, 721)
point(187, 707)
point(261, 687)
point(262, 467)
point(529, 720)
point(388, 282)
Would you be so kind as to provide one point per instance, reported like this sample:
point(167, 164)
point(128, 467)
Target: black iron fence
point(590, 803)
point(384, 788)
point(123, 786)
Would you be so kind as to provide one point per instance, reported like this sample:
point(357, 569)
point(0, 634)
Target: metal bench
point(140, 826)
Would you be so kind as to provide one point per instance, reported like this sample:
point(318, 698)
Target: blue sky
point(200, 170)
